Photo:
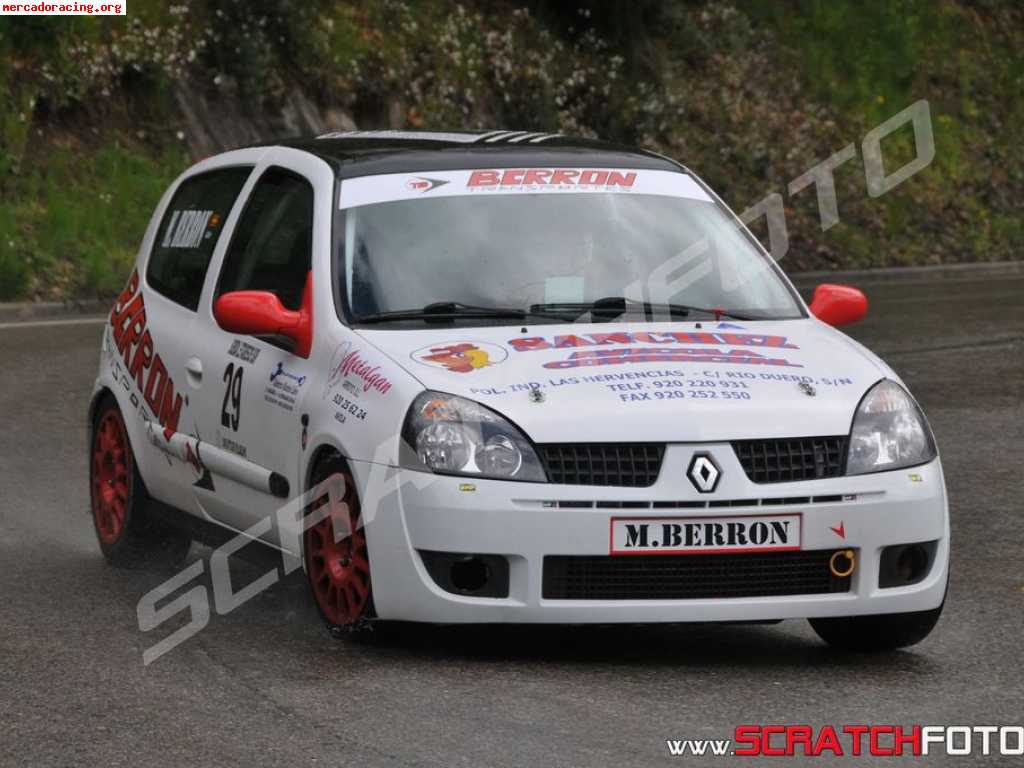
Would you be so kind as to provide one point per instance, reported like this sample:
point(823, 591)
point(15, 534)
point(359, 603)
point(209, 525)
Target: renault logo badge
point(704, 472)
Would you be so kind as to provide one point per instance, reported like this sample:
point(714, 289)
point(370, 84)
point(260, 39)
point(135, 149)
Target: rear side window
point(273, 242)
point(189, 232)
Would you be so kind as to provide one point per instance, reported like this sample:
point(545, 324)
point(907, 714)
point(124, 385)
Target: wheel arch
point(319, 454)
point(316, 457)
point(329, 451)
point(101, 393)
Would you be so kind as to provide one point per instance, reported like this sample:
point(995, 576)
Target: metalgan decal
point(348, 363)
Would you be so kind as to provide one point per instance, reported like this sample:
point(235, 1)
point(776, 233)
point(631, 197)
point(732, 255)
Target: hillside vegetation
point(98, 115)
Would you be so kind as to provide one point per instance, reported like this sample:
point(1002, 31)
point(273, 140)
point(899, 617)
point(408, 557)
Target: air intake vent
point(792, 459)
point(630, 465)
point(690, 577)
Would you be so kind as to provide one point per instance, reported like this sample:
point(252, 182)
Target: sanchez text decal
point(532, 343)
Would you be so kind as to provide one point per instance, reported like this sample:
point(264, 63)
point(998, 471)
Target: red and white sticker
point(672, 535)
point(367, 190)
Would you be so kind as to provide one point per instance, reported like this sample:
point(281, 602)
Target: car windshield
point(465, 246)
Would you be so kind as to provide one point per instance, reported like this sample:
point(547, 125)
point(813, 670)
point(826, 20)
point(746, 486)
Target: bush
point(750, 94)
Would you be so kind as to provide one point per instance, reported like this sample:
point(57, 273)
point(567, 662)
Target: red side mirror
point(261, 313)
point(838, 304)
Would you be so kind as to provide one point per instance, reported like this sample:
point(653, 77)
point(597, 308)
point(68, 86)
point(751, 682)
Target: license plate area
point(707, 535)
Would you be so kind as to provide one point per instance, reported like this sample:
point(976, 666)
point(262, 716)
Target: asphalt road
point(266, 685)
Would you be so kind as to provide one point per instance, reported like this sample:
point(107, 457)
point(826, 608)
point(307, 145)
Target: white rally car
point(561, 381)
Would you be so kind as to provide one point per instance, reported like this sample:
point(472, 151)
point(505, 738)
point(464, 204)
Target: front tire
point(336, 556)
point(127, 536)
point(881, 632)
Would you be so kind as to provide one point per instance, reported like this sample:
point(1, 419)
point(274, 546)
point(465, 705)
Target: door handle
point(194, 369)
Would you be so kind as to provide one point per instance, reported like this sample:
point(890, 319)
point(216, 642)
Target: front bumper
point(411, 512)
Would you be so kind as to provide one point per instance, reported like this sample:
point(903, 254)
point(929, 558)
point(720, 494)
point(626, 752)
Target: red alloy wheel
point(339, 570)
point(111, 477)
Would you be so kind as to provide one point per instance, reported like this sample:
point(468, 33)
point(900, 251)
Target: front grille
point(690, 577)
point(788, 460)
point(633, 465)
point(779, 501)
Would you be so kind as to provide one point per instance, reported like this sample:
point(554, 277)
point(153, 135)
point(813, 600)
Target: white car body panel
point(577, 397)
point(357, 385)
point(515, 522)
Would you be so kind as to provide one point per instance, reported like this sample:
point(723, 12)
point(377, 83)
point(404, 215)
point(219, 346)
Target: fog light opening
point(911, 563)
point(469, 574)
point(842, 563)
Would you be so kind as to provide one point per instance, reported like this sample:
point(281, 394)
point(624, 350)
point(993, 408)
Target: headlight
point(454, 436)
point(889, 432)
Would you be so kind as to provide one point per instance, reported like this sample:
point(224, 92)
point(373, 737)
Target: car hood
point(671, 382)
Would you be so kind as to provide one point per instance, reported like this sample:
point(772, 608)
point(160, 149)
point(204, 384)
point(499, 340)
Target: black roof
point(361, 153)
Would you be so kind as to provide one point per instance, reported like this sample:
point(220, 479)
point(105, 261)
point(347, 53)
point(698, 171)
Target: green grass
point(750, 94)
point(73, 228)
point(866, 61)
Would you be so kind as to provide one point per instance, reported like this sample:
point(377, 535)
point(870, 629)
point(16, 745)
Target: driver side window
point(273, 243)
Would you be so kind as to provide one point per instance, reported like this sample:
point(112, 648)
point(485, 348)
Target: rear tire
point(127, 535)
point(881, 632)
point(338, 563)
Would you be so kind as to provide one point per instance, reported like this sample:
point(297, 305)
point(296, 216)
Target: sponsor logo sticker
point(283, 388)
point(390, 187)
point(280, 372)
point(244, 351)
point(668, 535)
point(188, 229)
point(461, 356)
point(624, 338)
point(660, 355)
point(351, 370)
point(553, 177)
point(145, 369)
point(421, 184)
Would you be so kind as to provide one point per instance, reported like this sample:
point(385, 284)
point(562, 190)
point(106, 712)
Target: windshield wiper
point(609, 308)
point(613, 306)
point(451, 310)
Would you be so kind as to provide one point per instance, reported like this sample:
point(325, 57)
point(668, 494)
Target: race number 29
point(231, 411)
